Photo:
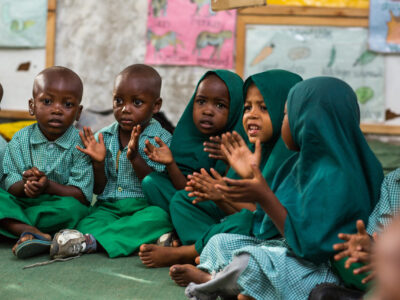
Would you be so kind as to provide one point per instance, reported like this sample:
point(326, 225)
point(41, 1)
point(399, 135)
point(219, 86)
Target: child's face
point(387, 262)
point(56, 105)
point(286, 134)
point(256, 120)
point(211, 106)
point(133, 101)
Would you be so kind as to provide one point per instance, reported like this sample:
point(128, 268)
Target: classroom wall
point(98, 39)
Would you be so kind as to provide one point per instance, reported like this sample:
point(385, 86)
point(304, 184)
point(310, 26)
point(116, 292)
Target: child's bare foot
point(154, 256)
point(243, 297)
point(31, 237)
point(197, 260)
point(185, 274)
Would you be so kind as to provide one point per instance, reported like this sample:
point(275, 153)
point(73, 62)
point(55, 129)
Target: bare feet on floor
point(243, 297)
point(31, 237)
point(185, 274)
point(154, 256)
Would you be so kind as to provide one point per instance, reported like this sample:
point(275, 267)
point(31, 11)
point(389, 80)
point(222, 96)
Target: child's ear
point(157, 105)
point(31, 107)
point(78, 115)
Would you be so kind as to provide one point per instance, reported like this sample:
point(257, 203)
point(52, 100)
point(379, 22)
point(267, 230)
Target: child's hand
point(162, 154)
point(34, 189)
point(239, 156)
point(245, 190)
point(202, 186)
point(214, 148)
point(32, 174)
point(96, 150)
point(356, 246)
point(133, 145)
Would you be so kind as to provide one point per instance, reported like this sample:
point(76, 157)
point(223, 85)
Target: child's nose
point(127, 108)
point(208, 110)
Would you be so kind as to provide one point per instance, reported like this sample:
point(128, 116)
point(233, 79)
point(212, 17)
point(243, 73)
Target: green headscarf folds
point(187, 141)
point(334, 179)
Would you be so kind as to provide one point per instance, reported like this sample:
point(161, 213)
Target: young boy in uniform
point(49, 181)
point(121, 220)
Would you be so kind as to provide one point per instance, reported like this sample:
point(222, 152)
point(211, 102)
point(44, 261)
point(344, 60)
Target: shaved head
point(145, 73)
point(63, 77)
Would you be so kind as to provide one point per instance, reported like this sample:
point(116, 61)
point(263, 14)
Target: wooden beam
point(380, 129)
point(305, 11)
point(16, 115)
point(50, 32)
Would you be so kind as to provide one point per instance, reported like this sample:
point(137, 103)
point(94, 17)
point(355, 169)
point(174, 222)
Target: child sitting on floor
point(49, 180)
point(353, 262)
point(121, 219)
point(3, 145)
point(266, 95)
point(215, 108)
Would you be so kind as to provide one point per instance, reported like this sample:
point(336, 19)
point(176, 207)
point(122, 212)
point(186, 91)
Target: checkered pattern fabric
point(388, 204)
point(273, 271)
point(59, 159)
point(124, 183)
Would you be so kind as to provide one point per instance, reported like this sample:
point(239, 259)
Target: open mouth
point(206, 124)
point(253, 129)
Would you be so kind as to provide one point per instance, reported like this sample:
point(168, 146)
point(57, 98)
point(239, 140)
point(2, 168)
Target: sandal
point(32, 247)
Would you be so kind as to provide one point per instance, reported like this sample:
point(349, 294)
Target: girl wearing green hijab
point(266, 94)
point(214, 108)
point(332, 181)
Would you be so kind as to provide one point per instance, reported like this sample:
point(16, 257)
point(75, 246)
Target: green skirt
point(48, 213)
point(158, 190)
point(122, 226)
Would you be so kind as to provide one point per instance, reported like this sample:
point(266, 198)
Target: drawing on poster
point(384, 24)
point(23, 23)
point(314, 51)
point(196, 37)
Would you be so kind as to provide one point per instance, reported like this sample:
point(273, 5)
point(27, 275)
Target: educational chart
point(322, 3)
point(187, 32)
point(321, 51)
point(23, 23)
point(384, 26)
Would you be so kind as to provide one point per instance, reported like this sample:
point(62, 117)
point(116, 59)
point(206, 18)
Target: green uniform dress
point(62, 163)
point(187, 145)
point(121, 220)
point(196, 225)
point(333, 181)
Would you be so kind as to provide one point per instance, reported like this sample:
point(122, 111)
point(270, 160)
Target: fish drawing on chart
point(365, 58)
point(332, 57)
point(159, 6)
point(216, 40)
point(159, 42)
point(297, 53)
point(14, 21)
point(264, 53)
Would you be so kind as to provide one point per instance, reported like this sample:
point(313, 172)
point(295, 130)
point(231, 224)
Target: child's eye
point(263, 107)
point(247, 108)
point(69, 104)
point(46, 101)
point(137, 102)
point(118, 101)
point(221, 105)
point(200, 101)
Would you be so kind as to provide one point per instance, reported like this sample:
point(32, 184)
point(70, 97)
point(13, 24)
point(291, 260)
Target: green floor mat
point(92, 276)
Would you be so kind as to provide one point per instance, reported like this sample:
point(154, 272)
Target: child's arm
point(140, 166)
point(202, 186)
point(97, 152)
point(255, 190)
point(239, 156)
point(163, 155)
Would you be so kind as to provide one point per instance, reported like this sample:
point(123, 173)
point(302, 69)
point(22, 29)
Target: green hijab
point(187, 141)
point(334, 179)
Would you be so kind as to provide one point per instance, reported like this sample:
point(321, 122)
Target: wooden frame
point(310, 16)
point(50, 51)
